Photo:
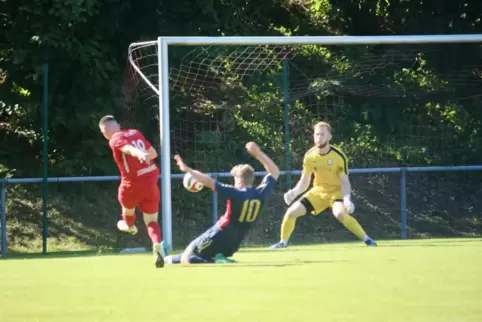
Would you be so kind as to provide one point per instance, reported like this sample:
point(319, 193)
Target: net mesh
point(374, 95)
point(389, 105)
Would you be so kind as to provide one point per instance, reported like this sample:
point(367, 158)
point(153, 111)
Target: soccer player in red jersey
point(133, 154)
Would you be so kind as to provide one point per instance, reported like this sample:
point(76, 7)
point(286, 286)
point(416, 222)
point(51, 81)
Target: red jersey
point(131, 169)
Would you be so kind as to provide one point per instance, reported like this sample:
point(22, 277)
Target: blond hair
point(245, 172)
point(322, 124)
point(107, 119)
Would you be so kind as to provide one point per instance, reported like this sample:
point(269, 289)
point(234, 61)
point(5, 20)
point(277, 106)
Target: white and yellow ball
point(191, 184)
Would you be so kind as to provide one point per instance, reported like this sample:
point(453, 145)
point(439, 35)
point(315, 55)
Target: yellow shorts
point(321, 199)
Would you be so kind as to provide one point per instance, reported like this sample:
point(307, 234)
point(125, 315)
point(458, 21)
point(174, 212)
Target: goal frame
point(163, 44)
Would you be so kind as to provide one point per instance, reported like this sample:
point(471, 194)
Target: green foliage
point(85, 44)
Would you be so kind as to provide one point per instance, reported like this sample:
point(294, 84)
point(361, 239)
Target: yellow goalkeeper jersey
point(327, 168)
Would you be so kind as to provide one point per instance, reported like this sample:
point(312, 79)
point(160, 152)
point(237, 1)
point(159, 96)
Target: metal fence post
point(215, 204)
point(403, 201)
point(286, 116)
point(3, 210)
point(45, 151)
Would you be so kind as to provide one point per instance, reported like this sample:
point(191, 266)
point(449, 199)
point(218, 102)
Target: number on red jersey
point(140, 145)
point(130, 167)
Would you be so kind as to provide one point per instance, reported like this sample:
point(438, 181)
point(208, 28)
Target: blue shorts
point(214, 241)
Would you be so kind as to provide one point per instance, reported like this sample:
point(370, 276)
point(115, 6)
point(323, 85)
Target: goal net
point(390, 105)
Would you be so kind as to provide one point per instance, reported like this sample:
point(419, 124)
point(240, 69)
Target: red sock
point(130, 220)
point(154, 232)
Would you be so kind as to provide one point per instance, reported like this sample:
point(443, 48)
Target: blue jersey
point(243, 205)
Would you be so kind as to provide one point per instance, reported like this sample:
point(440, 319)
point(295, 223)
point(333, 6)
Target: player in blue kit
point(244, 202)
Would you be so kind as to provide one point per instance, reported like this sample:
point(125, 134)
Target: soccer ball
point(191, 184)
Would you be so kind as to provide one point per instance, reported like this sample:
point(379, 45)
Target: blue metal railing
point(403, 186)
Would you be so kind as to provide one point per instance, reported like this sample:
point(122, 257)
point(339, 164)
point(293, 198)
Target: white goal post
point(163, 44)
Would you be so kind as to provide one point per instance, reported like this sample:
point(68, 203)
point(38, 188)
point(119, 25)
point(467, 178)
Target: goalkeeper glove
point(349, 206)
point(290, 196)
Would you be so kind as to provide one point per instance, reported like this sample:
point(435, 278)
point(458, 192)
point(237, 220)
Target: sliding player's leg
point(191, 253)
point(193, 259)
point(350, 223)
point(227, 243)
point(128, 202)
point(228, 250)
point(214, 244)
point(209, 247)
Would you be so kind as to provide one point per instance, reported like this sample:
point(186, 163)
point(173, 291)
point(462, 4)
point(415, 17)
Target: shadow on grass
point(316, 247)
point(260, 264)
point(71, 254)
point(299, 247)
point(454, 243)
point(65, 254)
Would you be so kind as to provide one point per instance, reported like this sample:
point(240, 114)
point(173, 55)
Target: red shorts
point(146, 196)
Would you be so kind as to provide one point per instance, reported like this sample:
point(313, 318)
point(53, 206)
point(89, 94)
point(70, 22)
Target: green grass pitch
point(418, 280)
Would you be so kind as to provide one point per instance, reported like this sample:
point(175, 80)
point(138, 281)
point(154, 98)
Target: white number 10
point(139, 144)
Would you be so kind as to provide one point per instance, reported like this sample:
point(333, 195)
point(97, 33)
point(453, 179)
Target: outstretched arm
point(203, 178)
point(346, 191)
point(300, 187)
point(198, 175)
point(302, 184)
point(185, 255)
point(345, 186)
point(265, 160)
point(137, 153)
point(152, 153)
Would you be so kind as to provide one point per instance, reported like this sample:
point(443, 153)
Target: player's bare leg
point(127, 223)
point(289, 221)
point(154, 232)
point(168, 259)
point(351, 223)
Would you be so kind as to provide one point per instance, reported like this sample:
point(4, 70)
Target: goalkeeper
point(331, 188)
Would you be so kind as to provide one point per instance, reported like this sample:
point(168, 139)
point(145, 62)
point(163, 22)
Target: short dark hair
point(107, 119)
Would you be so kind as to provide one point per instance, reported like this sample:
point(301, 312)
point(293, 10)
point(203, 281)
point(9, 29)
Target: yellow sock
point(287, 228)
point(353, 226)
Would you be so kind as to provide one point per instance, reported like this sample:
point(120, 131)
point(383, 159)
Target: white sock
point(366, 237)
point(284, 242)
